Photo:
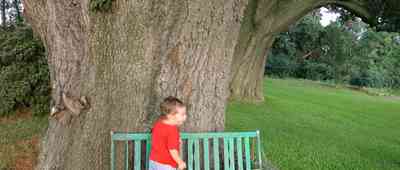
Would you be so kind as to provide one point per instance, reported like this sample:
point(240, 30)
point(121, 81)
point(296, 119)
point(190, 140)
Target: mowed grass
point(308, 126)
point(396, 92)
point(19, 138)
point(304, 125)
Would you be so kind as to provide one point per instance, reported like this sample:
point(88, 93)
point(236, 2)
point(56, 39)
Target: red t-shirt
point(164, 137)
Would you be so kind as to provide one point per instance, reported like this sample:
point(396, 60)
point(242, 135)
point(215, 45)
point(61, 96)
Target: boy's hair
point(169, 104)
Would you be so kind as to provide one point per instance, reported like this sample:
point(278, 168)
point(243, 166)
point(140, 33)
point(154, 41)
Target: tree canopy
point(382, 14)
point(351, 53)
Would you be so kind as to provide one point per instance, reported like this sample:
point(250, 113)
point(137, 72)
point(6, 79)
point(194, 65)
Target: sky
point(327, 17)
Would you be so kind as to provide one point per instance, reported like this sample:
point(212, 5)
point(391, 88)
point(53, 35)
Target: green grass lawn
point(18, 141)
point(396, 92)
point(305, 125)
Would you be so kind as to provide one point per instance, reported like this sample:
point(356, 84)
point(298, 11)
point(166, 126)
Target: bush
point(374, 77)
point(280, 65)
point(24, 75)
point(315, 71)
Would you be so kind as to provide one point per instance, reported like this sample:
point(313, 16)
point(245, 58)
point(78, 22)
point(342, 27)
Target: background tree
point(15, 13)
point(4, 7)
point(10, 12)
point(377, 61)
point(269, 18)
point(346, 51)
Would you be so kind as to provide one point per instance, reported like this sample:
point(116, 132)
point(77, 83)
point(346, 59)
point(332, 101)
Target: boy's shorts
point(153, 165)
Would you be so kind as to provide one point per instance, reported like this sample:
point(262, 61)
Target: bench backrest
point(240, 150)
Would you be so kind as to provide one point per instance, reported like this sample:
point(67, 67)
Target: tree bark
point(3, 13)
point(263, 21)
point(18, 17)
point(125, 61)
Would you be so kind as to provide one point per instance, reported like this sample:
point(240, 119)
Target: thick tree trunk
point(263, 20)
point(18, 17)
point(248, 73)
point(124, 62)
point(3, 12)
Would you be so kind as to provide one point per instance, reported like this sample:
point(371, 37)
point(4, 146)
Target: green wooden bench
point(241, 150)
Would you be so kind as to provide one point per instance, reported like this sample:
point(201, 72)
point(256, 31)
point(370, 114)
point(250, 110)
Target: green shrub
point(24, 75)
point(280, 65)
point(315, 71)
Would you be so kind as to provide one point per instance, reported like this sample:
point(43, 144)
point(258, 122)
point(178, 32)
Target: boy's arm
point(173, 144)
point(175, 155)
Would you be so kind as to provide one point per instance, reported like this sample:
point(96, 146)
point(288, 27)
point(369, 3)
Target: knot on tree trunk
point(70, 107)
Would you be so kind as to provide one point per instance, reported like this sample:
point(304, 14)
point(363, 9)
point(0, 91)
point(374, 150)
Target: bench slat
point(112, 155)
point(206, 152)
point(231, 153)
point(137, 154)
point(216, 153)
point(247, 152)
point(123, 136)
point(190, 155)
point(259, 149)
point(197, 154)
point(218, 134)
point(126, 155)
point(239, 153)
point(148, 147)
point(226, 154)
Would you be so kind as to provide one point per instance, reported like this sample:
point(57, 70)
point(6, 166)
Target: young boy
point(165, 139)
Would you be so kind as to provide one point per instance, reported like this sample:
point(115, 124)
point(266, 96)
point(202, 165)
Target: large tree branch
point(280, 14)
point(292, 11)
